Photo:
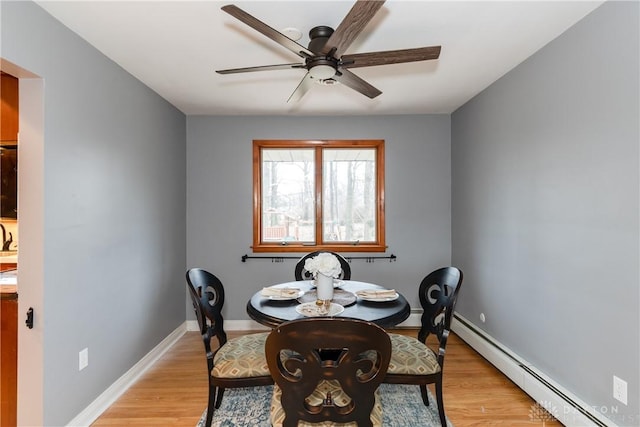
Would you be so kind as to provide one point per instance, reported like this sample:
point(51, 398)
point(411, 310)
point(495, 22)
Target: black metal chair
point(236, 362)
point(412, 361)
point(327, 369)
point(302, 274)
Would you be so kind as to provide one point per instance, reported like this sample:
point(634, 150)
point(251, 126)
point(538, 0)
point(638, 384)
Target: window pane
point(288, 182)
point(349, 195)
point(318, 195)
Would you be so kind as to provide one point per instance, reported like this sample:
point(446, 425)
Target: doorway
point(31, 279)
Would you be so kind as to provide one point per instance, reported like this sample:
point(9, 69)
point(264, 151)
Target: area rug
point(249, 407)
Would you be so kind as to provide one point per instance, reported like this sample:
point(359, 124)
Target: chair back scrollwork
point(328, 369)
point(438, 294)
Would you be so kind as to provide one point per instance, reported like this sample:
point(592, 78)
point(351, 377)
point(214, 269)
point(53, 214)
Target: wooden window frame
point(318, 145)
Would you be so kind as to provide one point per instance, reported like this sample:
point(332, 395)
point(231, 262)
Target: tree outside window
point(311, 195)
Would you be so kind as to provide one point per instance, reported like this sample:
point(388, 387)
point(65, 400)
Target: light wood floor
point(174, 391)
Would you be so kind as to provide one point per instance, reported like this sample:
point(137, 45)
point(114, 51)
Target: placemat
point(340, 296)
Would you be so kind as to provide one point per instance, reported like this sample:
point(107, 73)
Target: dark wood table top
point(387, 314)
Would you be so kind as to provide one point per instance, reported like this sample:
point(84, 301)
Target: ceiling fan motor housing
point(318, 38)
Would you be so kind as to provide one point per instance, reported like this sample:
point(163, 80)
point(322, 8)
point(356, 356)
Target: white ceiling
point(175, 46)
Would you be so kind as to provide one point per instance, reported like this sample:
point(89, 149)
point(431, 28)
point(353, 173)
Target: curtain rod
point(275, 258)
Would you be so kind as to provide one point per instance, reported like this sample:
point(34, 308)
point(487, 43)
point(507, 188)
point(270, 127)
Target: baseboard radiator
point(553, 398)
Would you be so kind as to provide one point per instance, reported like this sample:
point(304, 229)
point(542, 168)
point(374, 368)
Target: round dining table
point(386, 313)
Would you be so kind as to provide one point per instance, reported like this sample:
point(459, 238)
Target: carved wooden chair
point(236, 362)
point(412, 361)
point(327, 371)
point(302, 274)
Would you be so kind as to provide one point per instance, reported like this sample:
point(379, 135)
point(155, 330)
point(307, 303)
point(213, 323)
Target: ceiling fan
point(324, 59)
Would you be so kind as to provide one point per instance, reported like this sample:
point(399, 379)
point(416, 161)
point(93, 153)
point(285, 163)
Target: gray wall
point(545, 208)
point(219, 197)
point(114, 232)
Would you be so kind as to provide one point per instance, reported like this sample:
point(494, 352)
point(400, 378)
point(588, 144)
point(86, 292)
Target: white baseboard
point(122, 384)
point(192, 326)
point(231, 325)
point(569, 410)
point(414, 320)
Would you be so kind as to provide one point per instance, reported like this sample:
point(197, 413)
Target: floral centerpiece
point(324, 267)
point(324, 263)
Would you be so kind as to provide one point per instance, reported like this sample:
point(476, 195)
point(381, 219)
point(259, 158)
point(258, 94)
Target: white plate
point(311, 309)
point(378, 299)
point(283, 298)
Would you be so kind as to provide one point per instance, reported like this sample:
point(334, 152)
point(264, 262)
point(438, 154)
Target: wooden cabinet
point(8, 358)
point(8, 266)
point(8, 146)
point(9, 108)
point(9, 182)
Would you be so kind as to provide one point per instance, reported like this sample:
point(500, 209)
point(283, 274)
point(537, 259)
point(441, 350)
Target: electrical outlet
point(620, 389)
point(83, 359)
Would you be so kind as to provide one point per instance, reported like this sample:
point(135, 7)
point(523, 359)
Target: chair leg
point(210, 405)
point(425, 396)
point(443, 419)
point(219, 397)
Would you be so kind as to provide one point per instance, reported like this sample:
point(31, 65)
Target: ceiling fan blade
point(266, 30)
point(303, 87)
point(352, 24)
point(349, 79)
point(261, 68)
point(390, 57)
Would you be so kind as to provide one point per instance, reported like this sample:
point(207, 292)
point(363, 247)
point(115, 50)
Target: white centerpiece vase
point(324, 287)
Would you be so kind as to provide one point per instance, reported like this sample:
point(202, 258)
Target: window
point(310, 195)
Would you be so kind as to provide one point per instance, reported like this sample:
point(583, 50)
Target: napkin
point(280, 292)
point(377, 293)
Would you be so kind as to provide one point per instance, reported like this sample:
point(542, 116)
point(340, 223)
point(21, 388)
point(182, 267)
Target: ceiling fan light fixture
point(327, 82)
point(322, 72)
